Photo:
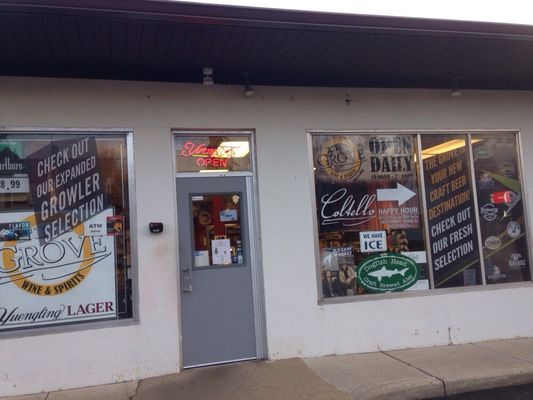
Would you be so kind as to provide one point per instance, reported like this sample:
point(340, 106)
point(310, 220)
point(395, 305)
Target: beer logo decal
point(387, 272)
point(489, 212)
point(517, 262)
point(53, 268)
point(496, 274)
point(341, 159)
point(507, 169)
point(513, 229)
point(483, 151)
point(493, 243)
point(485, 181)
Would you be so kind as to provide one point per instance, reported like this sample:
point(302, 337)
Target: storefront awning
point(172, 41)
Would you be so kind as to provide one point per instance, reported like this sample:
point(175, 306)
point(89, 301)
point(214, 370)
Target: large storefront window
point(501, 208)
point(65, 252)
point(400, 212)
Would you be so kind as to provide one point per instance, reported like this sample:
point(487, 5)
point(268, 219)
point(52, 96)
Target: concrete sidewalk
point(405, 374)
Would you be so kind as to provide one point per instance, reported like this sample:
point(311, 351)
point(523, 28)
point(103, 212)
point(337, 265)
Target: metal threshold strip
point(219, 363)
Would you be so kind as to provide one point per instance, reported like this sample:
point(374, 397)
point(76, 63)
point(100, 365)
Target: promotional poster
point(367, 198)
point(70, 278)
point(451, 218)
point(66, 185)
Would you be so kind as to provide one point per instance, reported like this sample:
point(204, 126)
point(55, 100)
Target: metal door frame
point(254, 230)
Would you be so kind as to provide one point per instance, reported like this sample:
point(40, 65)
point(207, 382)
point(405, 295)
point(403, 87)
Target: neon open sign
point(208, 156)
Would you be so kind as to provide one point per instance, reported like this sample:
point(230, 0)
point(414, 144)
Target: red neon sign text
point(206, 156)
point(191, 149)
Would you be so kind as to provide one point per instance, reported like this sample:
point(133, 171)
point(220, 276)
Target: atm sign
point(373, 241)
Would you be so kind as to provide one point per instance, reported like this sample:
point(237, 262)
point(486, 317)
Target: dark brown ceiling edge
point(260, 17)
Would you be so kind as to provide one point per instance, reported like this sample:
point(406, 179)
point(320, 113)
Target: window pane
point(367, 194)
point(210, 154)
point(450, 211)
point(367, 197)
point(217, 230)
point(501, 212)
point(64, 229)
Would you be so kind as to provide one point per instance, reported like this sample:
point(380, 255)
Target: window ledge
point(68, 328)
point(422, 293)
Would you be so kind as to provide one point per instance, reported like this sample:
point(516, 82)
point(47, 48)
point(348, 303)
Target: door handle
point(186, 279)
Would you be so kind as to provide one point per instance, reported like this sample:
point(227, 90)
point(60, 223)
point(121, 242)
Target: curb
point(488, 380)
point(405, 390)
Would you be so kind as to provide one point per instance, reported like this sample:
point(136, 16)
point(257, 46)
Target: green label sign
point(483, 151)
point(387, 272)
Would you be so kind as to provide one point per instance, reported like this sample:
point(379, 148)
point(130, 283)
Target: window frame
point(247, 133)
point(192, 230)
point(127, 133)
point(418, 134)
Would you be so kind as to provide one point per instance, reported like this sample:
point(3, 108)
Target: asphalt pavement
point(522, 392)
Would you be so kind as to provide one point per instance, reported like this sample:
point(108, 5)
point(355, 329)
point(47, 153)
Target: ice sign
point(373, 241)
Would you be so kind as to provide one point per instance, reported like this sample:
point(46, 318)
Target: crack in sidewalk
point(421, 370)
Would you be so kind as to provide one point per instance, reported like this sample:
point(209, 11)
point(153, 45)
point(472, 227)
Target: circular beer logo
point(489, 212)
point(507, 169)
point(493, 242)
point(513, 229)
point(340, 158)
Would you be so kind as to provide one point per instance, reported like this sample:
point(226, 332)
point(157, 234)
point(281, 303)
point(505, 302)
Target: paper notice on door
point(221, 251)
point(201, 258)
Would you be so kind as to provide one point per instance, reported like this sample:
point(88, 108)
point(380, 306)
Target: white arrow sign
point(401, 194)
